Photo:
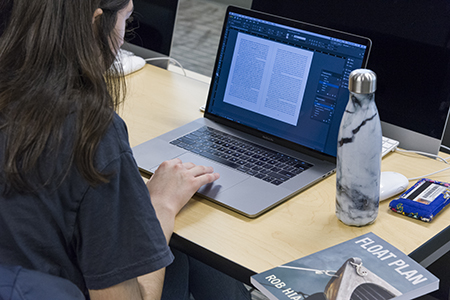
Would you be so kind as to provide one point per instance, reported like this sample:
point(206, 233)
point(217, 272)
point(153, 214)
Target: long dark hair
point(54, 62)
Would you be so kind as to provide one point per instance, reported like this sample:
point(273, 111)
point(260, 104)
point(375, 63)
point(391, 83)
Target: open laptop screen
point(284, 78)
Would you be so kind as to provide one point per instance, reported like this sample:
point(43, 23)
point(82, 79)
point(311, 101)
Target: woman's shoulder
point(114, 143)
point(120, 128)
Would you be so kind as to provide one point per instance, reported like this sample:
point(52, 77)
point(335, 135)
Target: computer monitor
point(410, 55)
point(151, 29)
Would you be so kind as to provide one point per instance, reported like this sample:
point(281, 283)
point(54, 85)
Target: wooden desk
point(160, 101)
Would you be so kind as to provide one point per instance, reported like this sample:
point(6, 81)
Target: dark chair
point(17, 283)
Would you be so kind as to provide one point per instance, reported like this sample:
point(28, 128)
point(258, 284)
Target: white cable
point(427, 154)
point(423, 153)
point(447, 148)
point(169, 59)
point(416, 178)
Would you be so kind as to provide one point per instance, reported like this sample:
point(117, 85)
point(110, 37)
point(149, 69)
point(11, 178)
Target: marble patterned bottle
point(359, 153)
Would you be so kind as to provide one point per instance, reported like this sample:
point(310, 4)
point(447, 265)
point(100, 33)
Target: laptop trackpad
point(228, 177)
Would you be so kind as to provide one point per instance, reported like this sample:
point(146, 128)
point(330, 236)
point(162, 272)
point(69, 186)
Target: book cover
point(366, 267)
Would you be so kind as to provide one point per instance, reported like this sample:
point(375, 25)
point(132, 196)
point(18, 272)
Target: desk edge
point(212, 259)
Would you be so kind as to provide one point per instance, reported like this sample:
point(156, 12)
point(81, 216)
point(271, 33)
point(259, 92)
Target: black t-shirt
point(95, 237)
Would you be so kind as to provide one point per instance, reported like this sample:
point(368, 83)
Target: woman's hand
point(171, 187)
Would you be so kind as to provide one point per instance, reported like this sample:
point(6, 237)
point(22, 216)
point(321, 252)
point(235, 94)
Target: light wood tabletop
point(160, 100)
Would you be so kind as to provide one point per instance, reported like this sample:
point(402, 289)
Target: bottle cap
point(362, 81)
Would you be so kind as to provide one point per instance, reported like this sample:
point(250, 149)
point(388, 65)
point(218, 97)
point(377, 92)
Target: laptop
point(277, 95)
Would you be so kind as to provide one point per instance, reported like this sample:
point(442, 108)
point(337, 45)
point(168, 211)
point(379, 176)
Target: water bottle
point(359, 153)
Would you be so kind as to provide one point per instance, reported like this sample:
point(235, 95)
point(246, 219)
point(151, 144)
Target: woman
point(72, 201)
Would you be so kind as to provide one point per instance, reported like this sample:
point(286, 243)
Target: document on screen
point(268, 77)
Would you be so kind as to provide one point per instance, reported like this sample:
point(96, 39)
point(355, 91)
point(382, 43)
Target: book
point(366, 267)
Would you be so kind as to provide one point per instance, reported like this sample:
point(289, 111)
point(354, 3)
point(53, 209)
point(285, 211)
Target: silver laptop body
point(277, 95)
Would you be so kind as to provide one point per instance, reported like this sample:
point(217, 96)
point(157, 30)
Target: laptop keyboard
point(249, 158)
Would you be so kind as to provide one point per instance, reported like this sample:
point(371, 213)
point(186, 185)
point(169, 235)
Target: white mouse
point(391, 184)
point(130, 62)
